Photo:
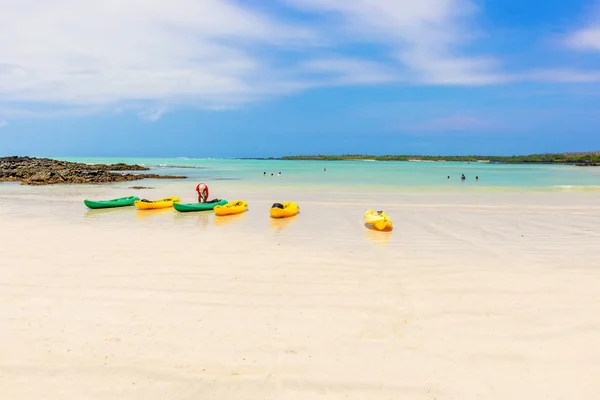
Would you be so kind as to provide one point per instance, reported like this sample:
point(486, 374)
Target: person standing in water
point(462, 177)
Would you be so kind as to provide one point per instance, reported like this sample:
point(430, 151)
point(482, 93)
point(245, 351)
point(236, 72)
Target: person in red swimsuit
point(202, 193)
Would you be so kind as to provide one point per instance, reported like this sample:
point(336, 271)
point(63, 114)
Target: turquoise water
point(361, 173)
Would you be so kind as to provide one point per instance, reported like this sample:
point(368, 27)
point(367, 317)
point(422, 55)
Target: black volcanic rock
point(45, 171)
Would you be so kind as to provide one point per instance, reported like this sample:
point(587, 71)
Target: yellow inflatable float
point(165, 202)
point(284, 210)
point(233, 207)
point(378, 219)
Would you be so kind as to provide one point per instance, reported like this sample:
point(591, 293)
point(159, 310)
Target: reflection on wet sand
point(153, 213)
point(226, 219)
point(202, 217)
point(281, 223)
point(377, 236)
point(96, 213)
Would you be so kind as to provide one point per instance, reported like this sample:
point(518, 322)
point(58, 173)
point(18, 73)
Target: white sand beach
point(471, 296)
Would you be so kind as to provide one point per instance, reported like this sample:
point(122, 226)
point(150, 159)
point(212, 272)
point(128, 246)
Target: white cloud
point(152, 114)
point(425, 36)
point(64, 57)
point(37, 110)
point(459, 123)
point(587, 36)
point(3, 124)
point(585, 39)
point(563, 76)
point(350, 71)
point(106, 52)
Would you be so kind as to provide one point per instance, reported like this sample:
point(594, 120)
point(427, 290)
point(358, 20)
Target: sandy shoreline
point(470, 297)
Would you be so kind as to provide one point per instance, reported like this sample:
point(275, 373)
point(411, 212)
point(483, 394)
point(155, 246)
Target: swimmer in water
point(462, 177)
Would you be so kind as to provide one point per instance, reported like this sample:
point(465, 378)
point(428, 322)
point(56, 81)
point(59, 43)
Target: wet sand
point(478, 296)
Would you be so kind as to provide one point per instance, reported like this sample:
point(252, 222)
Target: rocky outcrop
point(45, 171)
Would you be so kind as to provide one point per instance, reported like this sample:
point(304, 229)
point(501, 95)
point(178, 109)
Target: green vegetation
point(592, 158)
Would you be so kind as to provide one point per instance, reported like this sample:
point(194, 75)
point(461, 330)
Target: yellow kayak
point(165, 202)
point(378, 219)
point(233, 207)
point(283, 210)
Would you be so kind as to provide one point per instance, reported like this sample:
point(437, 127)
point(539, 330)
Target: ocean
point(380, 175)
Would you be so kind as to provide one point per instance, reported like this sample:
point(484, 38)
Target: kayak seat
point(146, 200)
point(277, 205)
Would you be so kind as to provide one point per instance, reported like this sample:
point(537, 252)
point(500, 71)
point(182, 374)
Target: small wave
point(577, 187)
point(179, 166)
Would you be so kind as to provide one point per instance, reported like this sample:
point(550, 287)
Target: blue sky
point(225, 78)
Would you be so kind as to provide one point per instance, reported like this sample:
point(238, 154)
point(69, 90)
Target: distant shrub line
point(592, 158)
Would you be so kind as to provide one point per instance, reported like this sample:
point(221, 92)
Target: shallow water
point(365, 174)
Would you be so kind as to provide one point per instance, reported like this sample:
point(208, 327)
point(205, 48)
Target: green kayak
point(209, 205)
point(122, 202)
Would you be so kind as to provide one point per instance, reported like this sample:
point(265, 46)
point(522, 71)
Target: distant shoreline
point(577, 159)
point(588, 159)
